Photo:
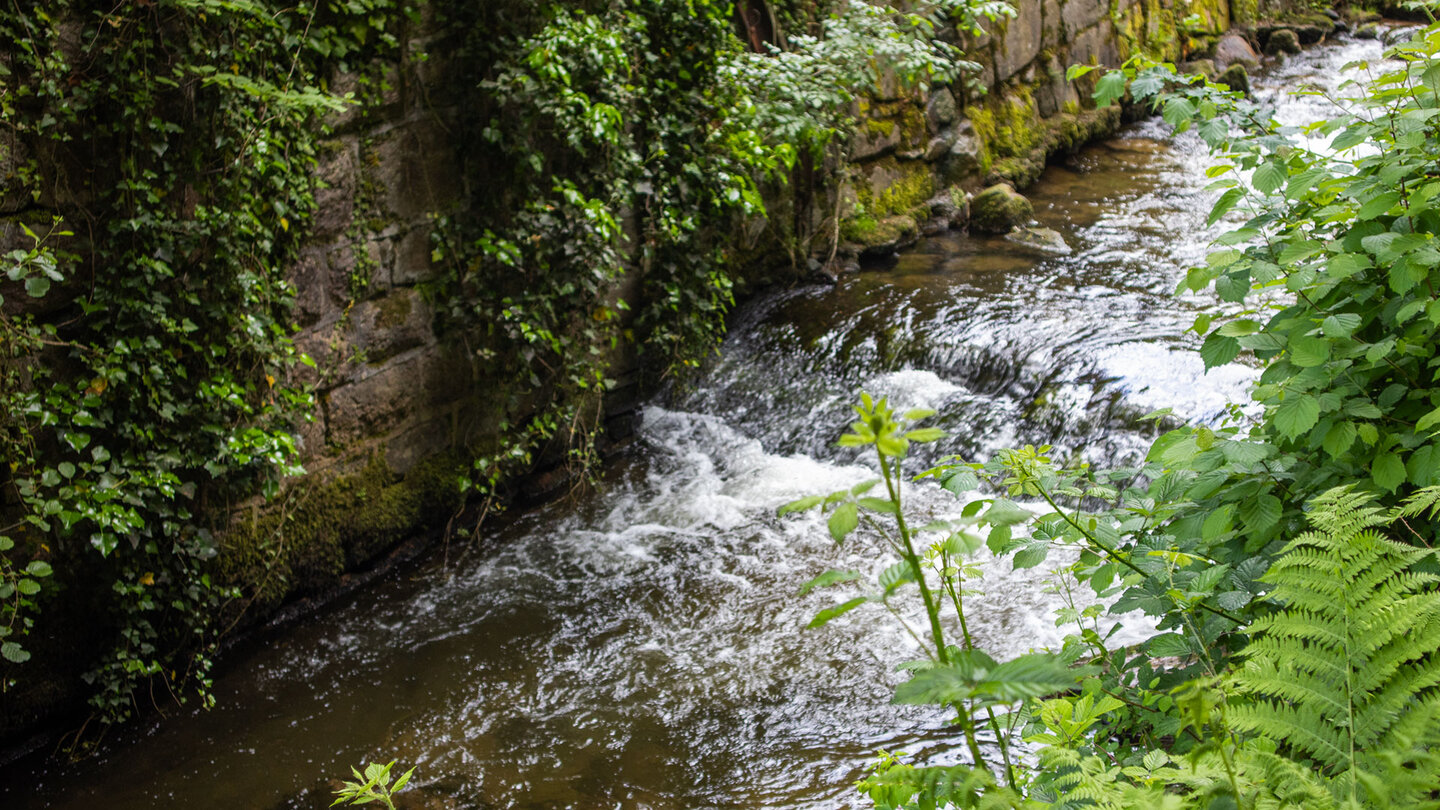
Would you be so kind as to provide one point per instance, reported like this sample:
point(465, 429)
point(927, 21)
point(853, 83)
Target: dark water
point(643, 648)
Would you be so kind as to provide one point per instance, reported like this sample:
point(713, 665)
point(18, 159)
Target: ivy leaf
point(36, 287)
point(14, 653)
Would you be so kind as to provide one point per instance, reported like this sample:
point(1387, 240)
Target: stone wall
point(915, 153)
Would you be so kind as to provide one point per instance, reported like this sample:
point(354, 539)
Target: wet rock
point(874, 238)
point(1233, 48)
point(952, 206)
point(939, 145)
point(1282, 41)
point(999, 209)
point(941, 111)
point(1204, 67)
point(1236, 78)
point(1396, 36)
point(1368, 31)
point(1047, 240)
point(962, 162)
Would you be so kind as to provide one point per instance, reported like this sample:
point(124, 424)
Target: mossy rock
point(999, 209)
point(1282, 41)
point(881, 237)
point(1236, 78)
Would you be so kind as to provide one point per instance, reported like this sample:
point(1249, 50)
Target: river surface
point(644, 647)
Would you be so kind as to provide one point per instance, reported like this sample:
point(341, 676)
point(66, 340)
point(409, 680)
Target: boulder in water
point(1044, 239)
point(1282, 41)
point(1233, 48)
point(1236, 78)
point(999, 209)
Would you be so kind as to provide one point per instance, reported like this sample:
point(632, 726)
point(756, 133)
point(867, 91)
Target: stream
point(644, 646)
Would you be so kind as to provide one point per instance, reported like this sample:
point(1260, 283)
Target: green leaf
point(896, 575)
point(1340, 325)
point(1004, 512)
point(36, 287)
point(823, 617)
point(831, 577)
point(38, 568)
point(1339, 438)
point(1030, 556)
point(1223, 205)
point(1388, 471)
point(1169, 645)
point(1378, 205)
point(843, 521)
point(1308, 352)
point(1296, 415)
point(1110, 87)
point(925, 434)
point(1269, 177)
point(1218, 349)
point(808, 502)
point(14, 653)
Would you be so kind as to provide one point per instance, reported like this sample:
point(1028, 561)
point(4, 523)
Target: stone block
point(412, 257)
point(414, 171)
point(1096, 46)
point(1021, 41)
point(339, 175)
point(384, 398)
point(1078, 15)
point(384, 327)
point(941, 109)
point(310, 275)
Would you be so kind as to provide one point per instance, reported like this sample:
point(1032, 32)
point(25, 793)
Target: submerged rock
point(1045, 239)
point(998, 209)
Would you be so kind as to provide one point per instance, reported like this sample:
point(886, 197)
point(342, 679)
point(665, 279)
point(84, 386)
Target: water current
point(644, 646)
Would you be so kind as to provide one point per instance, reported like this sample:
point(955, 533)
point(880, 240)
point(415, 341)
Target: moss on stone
point(305, 539)
point(394, 310)
point(869, 232)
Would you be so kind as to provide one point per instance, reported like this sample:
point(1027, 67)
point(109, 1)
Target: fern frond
point(1355, 650)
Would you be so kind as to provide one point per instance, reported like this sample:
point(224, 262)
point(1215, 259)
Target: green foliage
point(145, 375)
point(631, 140)
point(1351, 664)
point(372, 786)
point(964, 678)
point(1292, 668)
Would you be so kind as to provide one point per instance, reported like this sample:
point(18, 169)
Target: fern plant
point(1348, 672)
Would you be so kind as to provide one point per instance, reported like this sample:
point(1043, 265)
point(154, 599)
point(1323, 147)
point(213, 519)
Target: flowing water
point(644, 647)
